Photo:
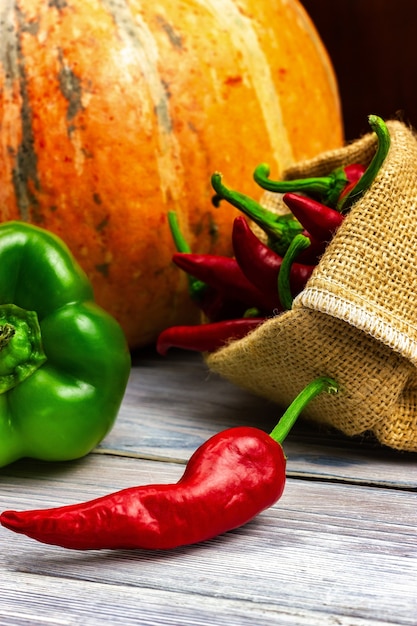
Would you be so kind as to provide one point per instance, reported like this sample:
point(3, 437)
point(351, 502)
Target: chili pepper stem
point(279, 227)
point(180, 242)
point(378, 125)
point(328, 188)
point(319, 185)
point(288, 419)
point(297, 245)
point(196, 287)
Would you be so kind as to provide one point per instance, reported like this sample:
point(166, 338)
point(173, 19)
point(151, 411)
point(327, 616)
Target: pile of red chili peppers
point(237, 294)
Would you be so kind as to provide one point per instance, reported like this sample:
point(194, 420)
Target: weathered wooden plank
point(325, 549)
point(26, 601)
point(173, 404)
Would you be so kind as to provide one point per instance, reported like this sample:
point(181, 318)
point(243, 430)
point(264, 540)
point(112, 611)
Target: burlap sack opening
point(356, 320)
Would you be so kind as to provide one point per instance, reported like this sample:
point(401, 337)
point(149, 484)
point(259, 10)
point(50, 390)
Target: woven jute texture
point(356, 320)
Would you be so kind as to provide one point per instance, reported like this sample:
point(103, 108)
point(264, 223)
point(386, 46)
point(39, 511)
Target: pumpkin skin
point(113, 112)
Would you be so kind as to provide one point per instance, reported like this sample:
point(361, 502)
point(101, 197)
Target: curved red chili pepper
point(331, 189)
point(318, 219)
point(281, 229)
point(206, 337)
point(230, 479)
point(261, 264)
point(224, 274)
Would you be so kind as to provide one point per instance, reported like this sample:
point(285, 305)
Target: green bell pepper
point(64, 361)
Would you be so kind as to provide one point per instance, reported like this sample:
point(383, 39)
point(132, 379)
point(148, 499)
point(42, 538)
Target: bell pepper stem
point(7, 331)
point(313, 389)
point(378, 125)
point(21, 346)
point(297, 245)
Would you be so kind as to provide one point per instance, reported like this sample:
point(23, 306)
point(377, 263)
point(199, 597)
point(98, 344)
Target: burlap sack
point(356, 320)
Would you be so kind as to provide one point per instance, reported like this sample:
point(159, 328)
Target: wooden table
point(339, 548)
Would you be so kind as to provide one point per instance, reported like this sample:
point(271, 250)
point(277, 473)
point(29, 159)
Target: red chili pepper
point(261, 264)
point(225, 275)
point(336, 189)
point(216, 306)
point(318, 219)
point(206, 337)
point(230, 479)
point(210, 301)
point(354, 173)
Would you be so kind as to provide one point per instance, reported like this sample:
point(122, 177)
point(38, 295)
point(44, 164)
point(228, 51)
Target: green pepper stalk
point(64, 362)
point(384, 141)
point(297, 245)
point(280, 228)
point(306, 395)
point(326, 188)
point(196, 287)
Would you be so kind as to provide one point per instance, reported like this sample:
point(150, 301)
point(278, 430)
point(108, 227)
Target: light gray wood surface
point(339, 548)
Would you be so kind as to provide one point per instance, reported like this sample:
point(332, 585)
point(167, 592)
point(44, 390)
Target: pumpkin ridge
point(25, 170)
point(244, 37)
point(139, 38)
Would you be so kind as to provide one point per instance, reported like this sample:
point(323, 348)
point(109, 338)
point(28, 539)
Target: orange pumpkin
point(111, 113)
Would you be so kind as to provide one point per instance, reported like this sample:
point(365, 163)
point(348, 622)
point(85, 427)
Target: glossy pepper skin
point(261, 264)
point(231, 478)
point(318, 219)
point(224, 274)
point(206, 337)
point(73, 355)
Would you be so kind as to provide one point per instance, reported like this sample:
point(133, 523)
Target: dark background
point(373, 48)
